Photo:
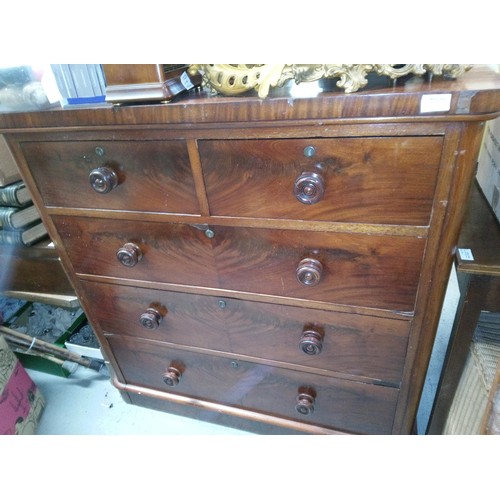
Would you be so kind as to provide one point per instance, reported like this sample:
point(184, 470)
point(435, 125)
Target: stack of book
point(20, 222)
point(79, 83)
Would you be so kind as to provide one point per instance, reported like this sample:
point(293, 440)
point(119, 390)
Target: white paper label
point(465, 254)
point(431, 103)
point(186, 81)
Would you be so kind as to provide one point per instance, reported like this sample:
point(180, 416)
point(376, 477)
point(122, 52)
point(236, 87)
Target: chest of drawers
point(279, 262)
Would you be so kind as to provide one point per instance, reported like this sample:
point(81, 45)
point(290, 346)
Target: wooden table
point(479, 283)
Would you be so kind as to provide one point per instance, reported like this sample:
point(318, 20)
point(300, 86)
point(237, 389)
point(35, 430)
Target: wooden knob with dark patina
point(309, 271)
point(172, 376)
point(129, 254)
point(103, 179)
point(305, 402)
point(151, 318)
point(312, 341)
point(309, 187)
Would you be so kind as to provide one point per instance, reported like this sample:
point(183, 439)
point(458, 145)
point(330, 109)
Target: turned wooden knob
point(305, 402)
point(129, 254)
point(151, 319)
point(309, 271)
point(312, 341)
point(103, 179)
point(172, 376)
point(309, 187)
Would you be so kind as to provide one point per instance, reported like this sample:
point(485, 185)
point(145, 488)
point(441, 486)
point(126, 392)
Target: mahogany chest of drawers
point(280, 262)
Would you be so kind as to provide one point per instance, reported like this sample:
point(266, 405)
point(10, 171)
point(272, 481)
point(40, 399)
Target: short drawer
point(353, 269)
point(380, 180)
point(151, 176)
point(354, 345)
point(329, 402)
point(149, 251)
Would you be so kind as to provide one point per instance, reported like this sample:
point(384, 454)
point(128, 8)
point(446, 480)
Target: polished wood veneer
point(341, 404)
point(358, 269)
point(367, 180)
point(151, 175)
point(282, 261)
point(362, 347)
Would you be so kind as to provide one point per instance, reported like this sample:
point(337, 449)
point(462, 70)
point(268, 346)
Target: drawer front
point(383, 180)
point(171, 253)
point(151, 176)
point(355, 345)
point(339, 404)
point(354, 269)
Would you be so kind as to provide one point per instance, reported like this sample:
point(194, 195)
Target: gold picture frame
point(236, 79)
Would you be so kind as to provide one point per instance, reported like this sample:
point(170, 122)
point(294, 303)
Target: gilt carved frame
point(235, 79)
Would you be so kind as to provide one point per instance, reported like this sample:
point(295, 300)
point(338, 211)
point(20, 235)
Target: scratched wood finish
point(153, 176)
point(355, 345)
point(388, 180)
point(340, 404)
point(358, 269)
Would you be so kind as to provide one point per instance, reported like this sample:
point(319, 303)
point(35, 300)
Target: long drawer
point(382, 180)
point(326, 401)
point(150, 176)
point(354, 345)
point(355, 269)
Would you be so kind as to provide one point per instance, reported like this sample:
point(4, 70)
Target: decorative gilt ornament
point(235, 79)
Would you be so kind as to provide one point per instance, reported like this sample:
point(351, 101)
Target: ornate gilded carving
point(235, 79)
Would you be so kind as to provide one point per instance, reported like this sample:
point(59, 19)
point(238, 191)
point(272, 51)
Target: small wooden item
point(147, 82)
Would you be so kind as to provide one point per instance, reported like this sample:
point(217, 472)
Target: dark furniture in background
point(479, 282)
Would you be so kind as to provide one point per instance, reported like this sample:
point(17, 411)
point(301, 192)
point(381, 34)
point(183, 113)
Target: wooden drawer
point(355, 345)
point(381, 180)
point(357, 269)
point(172, 253)
point(341, 404)
point(152, 176)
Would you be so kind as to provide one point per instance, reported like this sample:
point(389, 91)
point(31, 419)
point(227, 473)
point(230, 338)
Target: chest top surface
point(474, 95)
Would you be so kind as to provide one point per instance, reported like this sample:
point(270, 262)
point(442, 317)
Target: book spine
point(96, 86)
point(101, 78)
point(34, 234)
point(6, 214)
point(11, 237)
point(82, 80)
point(8, 195)
point(9, 172)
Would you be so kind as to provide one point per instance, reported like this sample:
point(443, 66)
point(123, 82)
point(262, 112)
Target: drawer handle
point(172, 376)
point(103, 179)
point(305, 402)
point(129, 254)
point(151, 319)
point(312, 341)
point(309, 187)
point(309, 271)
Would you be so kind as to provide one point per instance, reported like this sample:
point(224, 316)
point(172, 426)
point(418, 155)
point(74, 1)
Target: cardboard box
point(488, 165)
point(21, 402)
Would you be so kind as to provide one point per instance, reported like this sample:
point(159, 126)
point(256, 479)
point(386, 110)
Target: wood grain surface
point(341, 404)
point(388, 180)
